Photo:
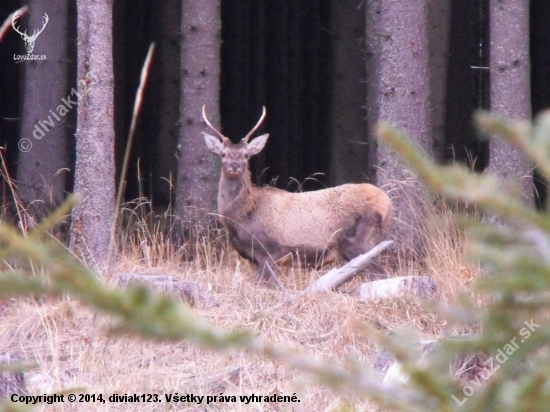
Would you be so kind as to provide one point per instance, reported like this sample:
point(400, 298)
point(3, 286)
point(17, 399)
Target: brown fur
point(272, 227)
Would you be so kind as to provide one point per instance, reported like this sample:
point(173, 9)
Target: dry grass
point(72, 347)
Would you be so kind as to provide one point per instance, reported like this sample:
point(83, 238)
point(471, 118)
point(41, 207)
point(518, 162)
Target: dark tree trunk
point(198, 170)
point(468, 82)
point(348, 131)
point(167, 98)
point(243, 87)
point(439, 19)
point(95, 172)
point(153, 165)
point(540, 54)
point(277, 89)
point(42, 169)
point(510, 87)
point(10, 95)
point(540, 77)
point(398, 91)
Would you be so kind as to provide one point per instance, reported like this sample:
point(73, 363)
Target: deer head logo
point(29, 40)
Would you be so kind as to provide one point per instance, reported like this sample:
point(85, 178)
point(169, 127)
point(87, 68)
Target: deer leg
point(264, 269)
point(361, 238)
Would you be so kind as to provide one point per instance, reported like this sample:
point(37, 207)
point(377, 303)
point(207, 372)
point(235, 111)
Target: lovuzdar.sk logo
point(29, 40)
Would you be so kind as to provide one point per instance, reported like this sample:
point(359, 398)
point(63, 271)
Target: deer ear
point(213, 143)
point(256, 145)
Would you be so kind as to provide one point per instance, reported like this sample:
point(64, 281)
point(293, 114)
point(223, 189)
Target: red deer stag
point(272, 227)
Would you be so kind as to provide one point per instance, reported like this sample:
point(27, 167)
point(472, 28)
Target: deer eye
point(224, 154)
point(246, 155)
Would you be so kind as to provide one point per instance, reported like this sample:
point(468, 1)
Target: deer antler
point(16, 15)
point(220, 134)
point(257, 125)
point(46, 20)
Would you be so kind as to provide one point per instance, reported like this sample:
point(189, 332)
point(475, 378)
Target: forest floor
point(71, 346)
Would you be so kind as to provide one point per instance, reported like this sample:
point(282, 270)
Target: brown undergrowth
point(72, 347)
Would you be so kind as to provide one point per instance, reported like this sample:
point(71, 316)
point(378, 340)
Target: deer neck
point(235, 196)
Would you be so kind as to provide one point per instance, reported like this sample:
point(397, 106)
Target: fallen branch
point(338, 276)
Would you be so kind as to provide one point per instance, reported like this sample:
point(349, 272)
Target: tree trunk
point(198, 169)
point(439, 23)
point(277, 90)
point(510, 87)
point(468, 83)
point(540, 79)
point(95, 173)
point(348, 118)
point(42, 168)
point(398, 91)
point(168, 98)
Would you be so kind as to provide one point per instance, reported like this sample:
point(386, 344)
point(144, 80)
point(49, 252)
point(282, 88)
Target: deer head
point(29, 40)
point(234, 157)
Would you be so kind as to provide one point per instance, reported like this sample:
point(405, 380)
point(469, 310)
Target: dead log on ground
point(338, 276)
